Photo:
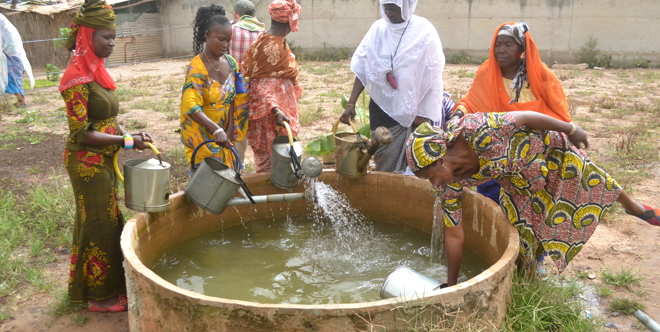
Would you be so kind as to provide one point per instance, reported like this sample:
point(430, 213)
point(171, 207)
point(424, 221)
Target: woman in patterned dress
point(96, 273)
point(271, 67)
point(552, 193)
point(210, 105)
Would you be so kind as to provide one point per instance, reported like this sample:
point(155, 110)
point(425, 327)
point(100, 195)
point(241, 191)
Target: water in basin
point(332, 255)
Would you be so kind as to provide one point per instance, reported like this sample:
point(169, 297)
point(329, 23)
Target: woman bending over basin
point(551, 192)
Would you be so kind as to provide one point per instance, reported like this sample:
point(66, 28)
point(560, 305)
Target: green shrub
point(643, 63)
point(589, 52)
point(52, 73)
point(460, 58)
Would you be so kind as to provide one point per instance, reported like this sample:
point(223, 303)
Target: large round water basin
point(158, 305)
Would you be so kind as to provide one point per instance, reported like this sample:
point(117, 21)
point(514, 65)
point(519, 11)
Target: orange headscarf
point(270, 56)
point(285, 11)
point(488, 94)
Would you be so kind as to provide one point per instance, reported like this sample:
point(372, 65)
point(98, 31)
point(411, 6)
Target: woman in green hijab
point(96, 271)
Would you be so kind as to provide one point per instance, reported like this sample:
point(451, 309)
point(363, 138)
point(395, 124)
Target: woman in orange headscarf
point(271, 67)
point(513, 79)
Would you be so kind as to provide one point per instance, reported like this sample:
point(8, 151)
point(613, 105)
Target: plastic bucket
point(406, 282)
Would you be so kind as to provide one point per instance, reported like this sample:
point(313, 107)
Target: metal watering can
point(214, 185)
point(353, 151)
point(286, 171)
point(146, 183)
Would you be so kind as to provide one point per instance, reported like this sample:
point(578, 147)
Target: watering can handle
point(115, 160)
point(334, 128)
point(288, 132)
point(192, 158)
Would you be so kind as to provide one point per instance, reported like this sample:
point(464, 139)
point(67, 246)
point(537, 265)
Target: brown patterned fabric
point(270, 57)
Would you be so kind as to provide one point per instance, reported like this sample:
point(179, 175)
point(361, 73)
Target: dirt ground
point(620, 242)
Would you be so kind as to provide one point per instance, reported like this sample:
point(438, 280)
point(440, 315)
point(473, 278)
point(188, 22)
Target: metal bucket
point(282, 172)
point(350, 148)
point(146, 185)
point(213, 184)
point(406, 282)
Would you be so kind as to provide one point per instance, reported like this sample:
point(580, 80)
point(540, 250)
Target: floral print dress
point(96, 271)
point(551, 192)
point(201, 93)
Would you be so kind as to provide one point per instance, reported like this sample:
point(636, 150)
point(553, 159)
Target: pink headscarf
point(285, 11)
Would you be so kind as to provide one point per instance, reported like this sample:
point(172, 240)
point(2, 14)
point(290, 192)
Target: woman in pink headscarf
point(271, 67)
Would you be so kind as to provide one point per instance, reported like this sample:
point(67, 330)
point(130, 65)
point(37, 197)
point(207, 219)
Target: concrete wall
point(624, 28)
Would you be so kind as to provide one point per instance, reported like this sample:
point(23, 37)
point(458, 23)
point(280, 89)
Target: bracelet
point(128, 141)
point(573, 129)
point(278, 112)
point(350, 105)
point(217, 131)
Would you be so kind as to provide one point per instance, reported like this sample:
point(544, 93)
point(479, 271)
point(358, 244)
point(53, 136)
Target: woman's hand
point(348, 114)
point(222, 139)
point(140, 140)
point(280, 118)
point(579, 138)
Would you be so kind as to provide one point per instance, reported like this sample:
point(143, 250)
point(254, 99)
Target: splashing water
point(437, 234)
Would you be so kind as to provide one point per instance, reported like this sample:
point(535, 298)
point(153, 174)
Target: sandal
point(19, 105)
point(122, 305)
point(651, 215)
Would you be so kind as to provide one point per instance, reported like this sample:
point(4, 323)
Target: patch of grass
point(623, 278)
point(63, 306)
point(648, 77)
point(546, 305)
point(36, 169)
point(463, 73)
point(585, 93)
point(166, 106)
point(133, 124)
point(36, 138)
point(40, 83)
point(30, 225)
point(310, 114)
point(29, 116)
point(604, 291)
point(626, 306)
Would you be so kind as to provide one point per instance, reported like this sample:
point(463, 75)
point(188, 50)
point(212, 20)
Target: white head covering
point(417, 65)
point(12, 45)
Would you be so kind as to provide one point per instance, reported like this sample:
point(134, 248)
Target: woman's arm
point(454, 238)
point(220, 137)
point(349, 112)
point(536, 120)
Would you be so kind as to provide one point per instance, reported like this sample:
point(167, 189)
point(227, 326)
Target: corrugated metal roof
point(64, 5)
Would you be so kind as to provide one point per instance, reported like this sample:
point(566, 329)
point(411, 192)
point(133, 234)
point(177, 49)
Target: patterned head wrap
point(428, 144)
point(517, 31)
point(96, 14)
point(285, 11)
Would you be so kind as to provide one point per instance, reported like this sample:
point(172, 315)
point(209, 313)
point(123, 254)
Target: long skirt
point(96, 271)
point(15, 75)
point(392, 157)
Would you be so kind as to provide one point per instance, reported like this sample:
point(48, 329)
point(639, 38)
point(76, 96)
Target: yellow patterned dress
point(201, 93)
point(551, 191)
point(96, 260)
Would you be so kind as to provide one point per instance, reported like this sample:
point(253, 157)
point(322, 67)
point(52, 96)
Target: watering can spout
point(381, 136)
point(308, 195)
